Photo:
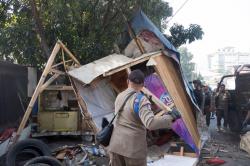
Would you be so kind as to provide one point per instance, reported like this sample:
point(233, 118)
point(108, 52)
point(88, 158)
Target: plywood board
point(173, 82)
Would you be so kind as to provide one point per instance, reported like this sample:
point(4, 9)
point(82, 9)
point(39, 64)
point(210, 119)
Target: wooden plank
point(182, 151)
point(59, 87)
point(185, 154)
point(37, 90)
point(171, 79)
point(136, 61)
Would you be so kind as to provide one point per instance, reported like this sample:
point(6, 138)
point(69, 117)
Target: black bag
point(103, 137)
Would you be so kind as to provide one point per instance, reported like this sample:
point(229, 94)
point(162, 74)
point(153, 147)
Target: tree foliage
point(89, 27)
point(187, 65)
point(180, 35)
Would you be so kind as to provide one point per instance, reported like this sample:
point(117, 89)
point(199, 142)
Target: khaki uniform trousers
point(118, 160)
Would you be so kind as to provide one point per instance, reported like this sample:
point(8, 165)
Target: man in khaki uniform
point(128, 146)
point(222, 103)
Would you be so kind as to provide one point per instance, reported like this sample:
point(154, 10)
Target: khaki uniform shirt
point(129, 134)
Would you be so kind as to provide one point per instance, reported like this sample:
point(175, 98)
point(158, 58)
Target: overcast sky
point(224, 22)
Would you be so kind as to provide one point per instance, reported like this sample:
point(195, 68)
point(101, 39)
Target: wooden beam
point(134, 62)
point(58, 64)
point(59, 87)
point(128, 70)
point(37, 90)
point(57, 71)
point(47, 83)
point(69, 53)
point(157, 101)
point(174, 84)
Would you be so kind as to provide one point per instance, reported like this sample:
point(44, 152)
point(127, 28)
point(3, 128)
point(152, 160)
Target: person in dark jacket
point(207, 104)
point(198, 92)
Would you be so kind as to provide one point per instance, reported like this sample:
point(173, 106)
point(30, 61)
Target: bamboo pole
point(69, 53)
point(37, 90)
point(133, 35)
point(47, 83)
point(79, 98)
point(58, 64)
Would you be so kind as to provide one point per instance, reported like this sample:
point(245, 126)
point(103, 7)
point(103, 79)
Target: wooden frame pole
point(37, 90)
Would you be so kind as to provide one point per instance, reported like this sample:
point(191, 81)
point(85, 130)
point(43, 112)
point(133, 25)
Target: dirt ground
point(224, 145)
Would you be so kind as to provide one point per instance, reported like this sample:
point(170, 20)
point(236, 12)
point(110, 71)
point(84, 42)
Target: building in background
point(224, 61)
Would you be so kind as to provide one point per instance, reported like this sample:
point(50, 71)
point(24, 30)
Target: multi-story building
point(224, 61)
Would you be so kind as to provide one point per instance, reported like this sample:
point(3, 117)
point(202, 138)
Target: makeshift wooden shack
point(99, 82)
point(52, 118)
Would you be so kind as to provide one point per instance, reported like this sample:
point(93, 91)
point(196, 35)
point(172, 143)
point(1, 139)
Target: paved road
point(225, 145)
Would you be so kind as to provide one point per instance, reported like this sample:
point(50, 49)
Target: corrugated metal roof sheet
point(89, 72)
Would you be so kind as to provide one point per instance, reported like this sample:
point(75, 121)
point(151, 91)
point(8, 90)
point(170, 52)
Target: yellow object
point(57, 121)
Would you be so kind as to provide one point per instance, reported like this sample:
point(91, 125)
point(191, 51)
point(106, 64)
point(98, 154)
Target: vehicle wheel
point(234, 121)
point(25, 150)
point(50, 161)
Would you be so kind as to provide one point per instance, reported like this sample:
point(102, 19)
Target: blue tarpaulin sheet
point(140, 22)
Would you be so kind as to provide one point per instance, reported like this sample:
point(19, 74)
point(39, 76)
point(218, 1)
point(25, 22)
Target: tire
point(50, 161)
point(33, 147)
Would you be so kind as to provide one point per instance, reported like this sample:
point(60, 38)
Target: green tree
point(186, 63)
point(89, 28)
point(188, 67)
point(180, 35)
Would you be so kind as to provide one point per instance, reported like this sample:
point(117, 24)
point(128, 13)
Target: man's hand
point(175, 114)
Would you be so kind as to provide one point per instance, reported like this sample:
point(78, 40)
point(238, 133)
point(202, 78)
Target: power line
point(177, 11)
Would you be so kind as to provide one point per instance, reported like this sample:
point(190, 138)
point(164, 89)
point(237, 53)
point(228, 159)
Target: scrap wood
point(68, 151)
point(185, 154)
point(182, 151)
point(61, 155)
